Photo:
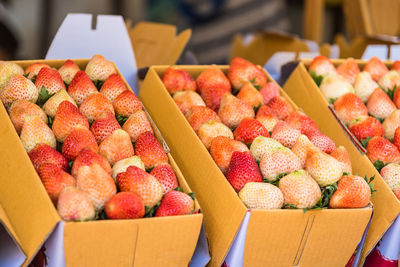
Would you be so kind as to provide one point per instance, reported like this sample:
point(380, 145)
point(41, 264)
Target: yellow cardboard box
point(166, 241)
point(275, 237)
point(303, 90)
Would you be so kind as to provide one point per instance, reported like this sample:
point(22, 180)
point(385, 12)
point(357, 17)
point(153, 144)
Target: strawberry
point(208, 131)
point(281, 107)
point(94, 105)
point(116, 146)
point(325, 169)
point(341, 155)
point(175, 203)
point(212, 78)
point(222, 148)
point(35, 131)
point(396, 97)
point(265, 112)
point(364, 85)
point(349, 107)
point(44, 153)
point(396, 139)
point(79, 139)
point(113, 87)
point(198, 115)
point(262, 145)
point(176, 80)
point(126, 104)
point(99, 68)
point(352, 192)
point(366, 126)
point(300, 121)
point(389, 81)
point(300, 190)
point(104, 125)
point(391, 123)
point(166, 176)
point(81, 87)
point(278, 161)
point(379, 104)
point(187, 99)
point(248, 130)
point(137, 124)
point(334, 86)
point(123, 164)
point(242, 169)
point(50, 81)
point(97, 183)
point(241, 71)
point(396, 65)
point(248, 93)
point(21, 109)
point(125, 205)
point(391, 175)
point(285, 134)
point(138, 181)
point(18, 87)
point(68, 71)
point(322, 66)
point(51, 105)
point(261, 196)
point(8, 70)
point(269, 91)
point(322, 142)
point(269, 122)
point(349, 70)
point(301, 148)
point(54, 180)
point(88, 158)
point(74, 205)
point(213, 97)
point(33, 70)
point(379, 148)
point(67, 117)
point(149, 150)
point(376, 68)
point(233, 110)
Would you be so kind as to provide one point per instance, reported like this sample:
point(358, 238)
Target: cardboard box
point(166, 241)
point(303, 90)
point(257, 237)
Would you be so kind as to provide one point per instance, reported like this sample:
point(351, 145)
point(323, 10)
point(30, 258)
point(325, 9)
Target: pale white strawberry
point(261, 196)
point(364, 85)
point(391, 123)
point(389, 80)
point(334, 86)
point(325, 169)
point(391, 174)
point(285, 134)
point(261, 145)
point(269, 122)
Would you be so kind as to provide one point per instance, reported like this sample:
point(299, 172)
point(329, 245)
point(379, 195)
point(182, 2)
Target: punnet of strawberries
point(368, 103)
point(273, 156)
point(91, 142)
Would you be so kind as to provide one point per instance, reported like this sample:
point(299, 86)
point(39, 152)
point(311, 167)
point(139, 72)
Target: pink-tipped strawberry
point(242, 71)
point(81, 87)
point(281, 107)
point(222, 148)
point(285, 134)
point(74, 205)
point(187, 99)
point(341, 155)
point(322, 66)
point(213, 96)
point(379, 148)
point(364, 86)
point(104, 125)
point(149, 150)
point(301, 122)
point(233, 110)
point(212, 78)
point(391, 175)
point(175, 203)
point(349, 70)
point(99, 68)
point(34, 132)
point(7, 70)
point(352, 192)
point(125, 205)
point(21, 109)
point(18, 87)
point(349, 107)
point(137, 124)
point(79, 139)
point(44, 153)
point(176, 80)
point(391, 123)
point(301, 148)
point(263, 145)
point(325, 169)
point(366, 126)
point(88, 158)
point(248, 130)
point(116, 146)
point(94, 105)
point(269, 91)
point(48, 82)
point(113, 87)
point(68, 71)
point(380, 105)
point(251, 95)
point(33, 70)
point(322, 142)
point(208, 131)
point(198, 115)
point(126, 104)
point(376, 68)
point(166, 176)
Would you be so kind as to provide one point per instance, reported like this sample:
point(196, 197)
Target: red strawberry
point(251, 95)
point(322, 142)
point(352, 192)
point(79, 139)
point(396, 65)
point(18, 87)
point(341, 155)
point(113, 87)
point(396, 97)
point(212, 78)
point(213, 97)
point(74, 205)
point(166, 176)
point(176, 80)
point(265, 112)
point(187, 99)
point(99, 68)
point(379, 148)
point(7, 70)
point(281, 107)
point(21, 109)
point(349, 70)
point(322, 66)
point(44, 153)
point(376, 68)
point(349, 107)
point(116, 146)
point(208, 131)
point(198, 115)
point(396, 139)
point(242, 71)
point(104, 125)
point(149, 150)
point(379, 104)
point(301, 122)
point(233, 110)
point(33, 70)
point(285, 134)
point(175, 203)
point(81, 87)
point(222, 148)
point(125, 205)
point(249, 129)
point(67, 117)
point(126, 104)
point(68, 71)
point(50, 79)
point(366, 126)
point(88, 158)
point(54, 180)
point(94, 105)
point(137, 124)
point(34, 132)
point(242, 170)
point(269, 91)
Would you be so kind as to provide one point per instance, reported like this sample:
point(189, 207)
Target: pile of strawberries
point(272, 155)
point(368, 103)
point(73, 135)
